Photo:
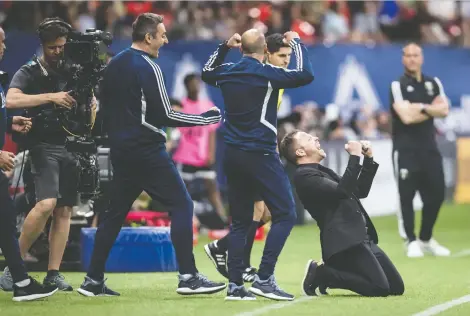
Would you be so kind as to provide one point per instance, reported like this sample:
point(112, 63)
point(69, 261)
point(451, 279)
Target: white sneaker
point(434, 248)
point(414, 250)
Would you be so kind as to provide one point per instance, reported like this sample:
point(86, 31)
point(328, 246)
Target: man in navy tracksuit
point(136, 111)
point(25, 288)
point(250, 89)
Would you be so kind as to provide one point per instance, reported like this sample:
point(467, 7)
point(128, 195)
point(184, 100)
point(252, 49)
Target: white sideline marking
point(463, 253)
point(277, 306)
point(434, 310)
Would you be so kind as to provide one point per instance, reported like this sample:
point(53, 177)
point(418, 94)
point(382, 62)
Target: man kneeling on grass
point(352, 259)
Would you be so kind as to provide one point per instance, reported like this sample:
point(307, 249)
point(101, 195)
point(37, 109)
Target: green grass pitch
point(429, 281)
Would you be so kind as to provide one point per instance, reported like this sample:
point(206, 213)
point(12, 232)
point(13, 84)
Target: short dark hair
point(189, 78)
point(286, 147)
point(146, 23)
point(52, 31)
point(275, 42)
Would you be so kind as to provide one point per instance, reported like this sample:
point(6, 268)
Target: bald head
point(253, 42)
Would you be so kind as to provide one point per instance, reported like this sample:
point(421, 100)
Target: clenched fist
point(235, 41)
point(353, 148)
point(288, 36)
point(366, 148)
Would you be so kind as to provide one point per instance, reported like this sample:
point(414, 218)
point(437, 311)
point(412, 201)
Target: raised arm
point(302, 75)
point(368, 171)
point(214, 66)
point(329, 189)
point(156, 100)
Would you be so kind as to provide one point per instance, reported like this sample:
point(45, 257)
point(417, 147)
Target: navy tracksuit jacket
point(136, 111)
point(250, 90)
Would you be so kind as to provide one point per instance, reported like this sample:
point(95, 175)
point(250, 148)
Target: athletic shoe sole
point(33, 297)
point(307, 267)
point(237, 298)
point(271, 296)
point(201, 290)
point(91, 294)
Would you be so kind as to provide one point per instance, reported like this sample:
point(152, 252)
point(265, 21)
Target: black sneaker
point(59, 281)
point(198, 284)
point(238, 293)
point(33, 291)
point(249, 274)
point(93, 288)
point(310, 283)
point(269, 289)
point(218, 258)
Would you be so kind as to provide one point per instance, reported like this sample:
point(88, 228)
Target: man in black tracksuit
point(416, 99)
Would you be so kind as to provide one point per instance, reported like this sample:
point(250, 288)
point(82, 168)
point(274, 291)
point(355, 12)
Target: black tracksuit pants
point(8, 239)
point(422, 171)
point(364, 269)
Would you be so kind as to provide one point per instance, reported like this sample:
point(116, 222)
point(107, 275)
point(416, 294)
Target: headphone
point(45, 24)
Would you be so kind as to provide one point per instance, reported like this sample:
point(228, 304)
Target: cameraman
point(36, 87)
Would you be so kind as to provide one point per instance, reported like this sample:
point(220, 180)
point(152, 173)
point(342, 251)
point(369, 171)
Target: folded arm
point(439, 106)
point(408, 112)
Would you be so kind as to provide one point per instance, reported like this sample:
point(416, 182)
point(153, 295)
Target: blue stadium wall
point(345, 74)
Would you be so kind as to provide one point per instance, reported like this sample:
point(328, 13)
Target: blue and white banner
point(347, 75)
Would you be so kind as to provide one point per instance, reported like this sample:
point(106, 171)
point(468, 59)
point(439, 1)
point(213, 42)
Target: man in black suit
point(352, 259)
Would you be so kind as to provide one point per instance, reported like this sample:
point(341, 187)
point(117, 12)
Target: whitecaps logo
point(353, 76)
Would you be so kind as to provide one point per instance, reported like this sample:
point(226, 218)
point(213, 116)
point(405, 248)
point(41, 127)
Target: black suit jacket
point(333, 202)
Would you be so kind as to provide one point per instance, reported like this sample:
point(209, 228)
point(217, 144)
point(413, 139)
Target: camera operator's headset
point(45, 24)
point(58, 21)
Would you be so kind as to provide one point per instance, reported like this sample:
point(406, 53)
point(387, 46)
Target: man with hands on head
point(352, 259)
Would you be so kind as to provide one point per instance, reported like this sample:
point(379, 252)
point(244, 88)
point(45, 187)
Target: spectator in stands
point(335, 25)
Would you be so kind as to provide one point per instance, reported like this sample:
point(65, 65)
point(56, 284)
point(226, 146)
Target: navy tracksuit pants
point(148, 169)
point(251, 174)
point(8, 239)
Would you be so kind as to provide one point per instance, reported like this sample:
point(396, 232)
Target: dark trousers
point(420, 171)
point(148, 169)
point(364, 269)
point(8, 239)
point(252, 174)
